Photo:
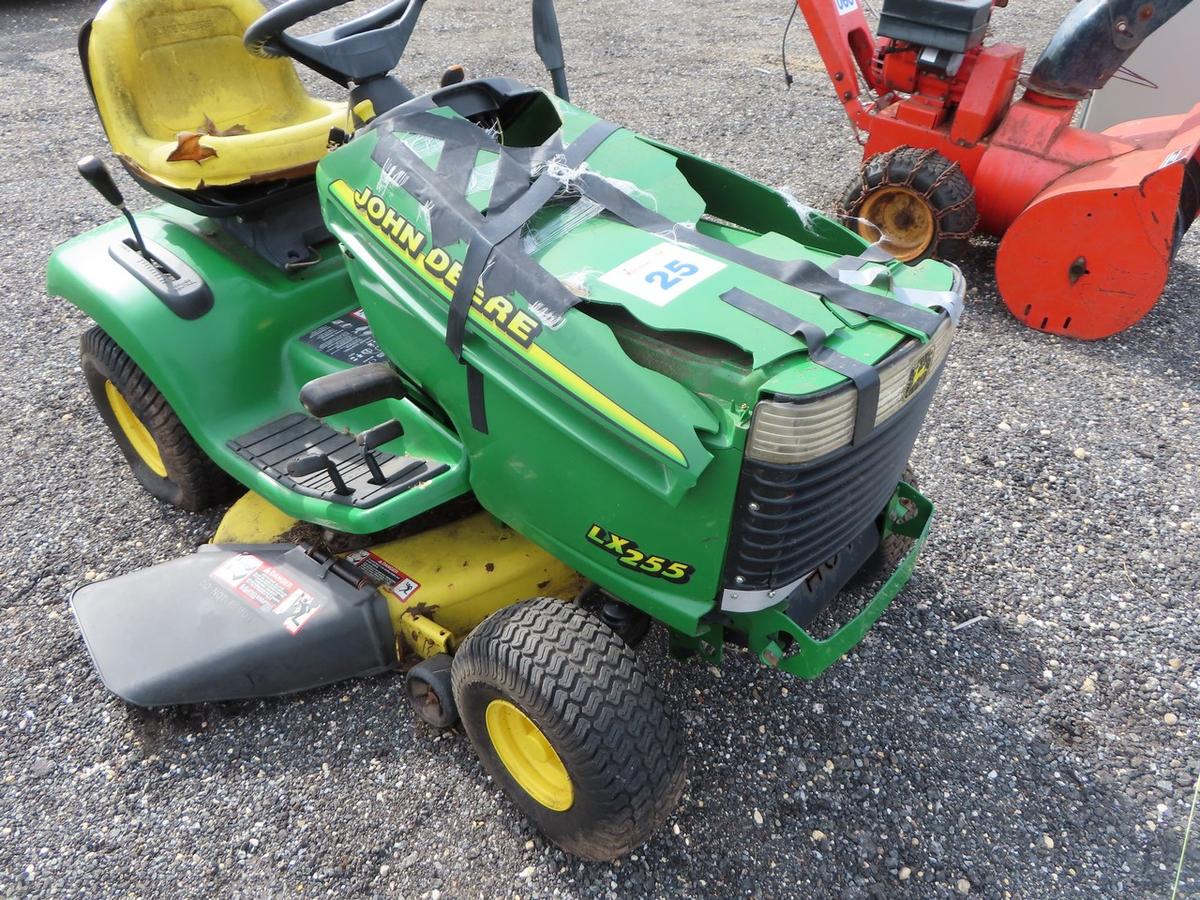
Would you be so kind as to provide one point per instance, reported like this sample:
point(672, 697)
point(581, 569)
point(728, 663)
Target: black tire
point(430, 691)
point(189, 480)
point(1189, 204)
point(924, 177)
point(589, 696)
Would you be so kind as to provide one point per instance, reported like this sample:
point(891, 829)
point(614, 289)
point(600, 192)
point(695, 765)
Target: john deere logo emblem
point(917, 376)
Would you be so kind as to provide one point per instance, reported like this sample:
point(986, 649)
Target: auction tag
point(662, 273)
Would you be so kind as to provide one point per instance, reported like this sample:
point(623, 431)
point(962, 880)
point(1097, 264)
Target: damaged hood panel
point(549, 235)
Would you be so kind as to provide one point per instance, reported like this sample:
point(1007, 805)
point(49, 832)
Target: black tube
point(1096, 39)
point(548, 42)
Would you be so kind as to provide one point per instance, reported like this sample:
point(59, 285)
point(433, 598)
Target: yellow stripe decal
point(516, 329)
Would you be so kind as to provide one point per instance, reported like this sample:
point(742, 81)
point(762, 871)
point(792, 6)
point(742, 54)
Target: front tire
point(565, 719)
point(160, 451)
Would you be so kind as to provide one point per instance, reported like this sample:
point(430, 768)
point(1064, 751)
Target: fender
point(239, 364)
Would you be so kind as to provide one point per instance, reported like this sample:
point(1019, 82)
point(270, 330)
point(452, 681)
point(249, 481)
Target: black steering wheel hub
point(360, 53)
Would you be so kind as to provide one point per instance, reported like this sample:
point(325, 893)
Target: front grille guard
point(782, 644)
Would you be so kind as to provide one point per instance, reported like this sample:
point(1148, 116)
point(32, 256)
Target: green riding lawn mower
point(499, 383)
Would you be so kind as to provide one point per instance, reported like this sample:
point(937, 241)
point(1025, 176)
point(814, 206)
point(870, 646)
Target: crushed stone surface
point(1049, 748)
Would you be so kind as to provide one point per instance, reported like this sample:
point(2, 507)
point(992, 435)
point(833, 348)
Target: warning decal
point(347, 338)
point(266, 589)
point(384, 574)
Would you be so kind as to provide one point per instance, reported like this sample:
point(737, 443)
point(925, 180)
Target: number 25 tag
point(662, 273)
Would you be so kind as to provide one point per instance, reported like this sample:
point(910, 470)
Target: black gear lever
point(374, 437)
point(96, 173)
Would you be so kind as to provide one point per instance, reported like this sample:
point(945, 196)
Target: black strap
point(864, 376)
point(799, 273)
point(456, 164)
point(483, 234)
point(454, 131)
point(475, 399)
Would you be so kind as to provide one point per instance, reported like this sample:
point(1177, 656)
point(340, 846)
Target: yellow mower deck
point(439, 583)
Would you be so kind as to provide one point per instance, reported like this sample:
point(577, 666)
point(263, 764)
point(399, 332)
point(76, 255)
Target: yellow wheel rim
point(135, 432)
point(900, 219)
point(528, 756)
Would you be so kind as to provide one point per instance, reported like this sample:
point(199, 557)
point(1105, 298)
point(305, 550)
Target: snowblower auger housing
point(677, 394)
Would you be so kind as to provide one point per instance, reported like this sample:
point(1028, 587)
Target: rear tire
point(164, 457)
point(1189, 204)
point(565, 719)
point(915, 203)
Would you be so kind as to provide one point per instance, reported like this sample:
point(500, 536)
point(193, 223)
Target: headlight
point(791, 432)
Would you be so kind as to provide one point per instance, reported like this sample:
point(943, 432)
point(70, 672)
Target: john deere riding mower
point(501, 384)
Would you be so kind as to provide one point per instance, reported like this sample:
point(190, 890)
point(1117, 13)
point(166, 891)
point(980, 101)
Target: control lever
point(374, 437)
point(96, 173)
point(315, 461)
point(454, 74)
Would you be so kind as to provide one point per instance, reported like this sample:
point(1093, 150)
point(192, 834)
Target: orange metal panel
point(1090, 255)
point(847, 47)
point(988, 93)
point(921, 112)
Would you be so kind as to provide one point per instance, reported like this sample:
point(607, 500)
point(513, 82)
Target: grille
point(791, 518)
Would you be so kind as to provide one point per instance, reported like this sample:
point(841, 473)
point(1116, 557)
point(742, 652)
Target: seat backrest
point(160, 67)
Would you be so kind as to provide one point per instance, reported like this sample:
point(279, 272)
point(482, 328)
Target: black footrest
point(271, 446)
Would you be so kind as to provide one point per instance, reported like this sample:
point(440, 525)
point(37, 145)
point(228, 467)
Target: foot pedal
point(273, 447)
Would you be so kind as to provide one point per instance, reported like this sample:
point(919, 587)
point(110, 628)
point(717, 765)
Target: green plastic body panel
point(242, 364)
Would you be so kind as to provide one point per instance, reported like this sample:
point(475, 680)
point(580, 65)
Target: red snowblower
point(1089, 222)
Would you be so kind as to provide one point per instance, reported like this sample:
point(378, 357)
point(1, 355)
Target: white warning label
point(265, 588)
point(662, 273)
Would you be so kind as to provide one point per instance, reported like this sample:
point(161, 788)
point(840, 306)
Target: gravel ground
point(1048, 746)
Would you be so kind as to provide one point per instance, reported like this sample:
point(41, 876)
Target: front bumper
point(781, 643)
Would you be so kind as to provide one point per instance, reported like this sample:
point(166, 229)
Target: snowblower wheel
point(163, 456)
point(915, 203)
point(565, 719)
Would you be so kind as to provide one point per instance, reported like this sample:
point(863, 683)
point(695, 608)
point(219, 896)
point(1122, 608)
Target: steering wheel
point(367, 48)
point(360, 50)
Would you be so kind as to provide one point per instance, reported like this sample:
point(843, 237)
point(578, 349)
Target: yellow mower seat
point(187, 106)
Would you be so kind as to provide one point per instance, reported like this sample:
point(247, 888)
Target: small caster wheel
point(429, 691)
